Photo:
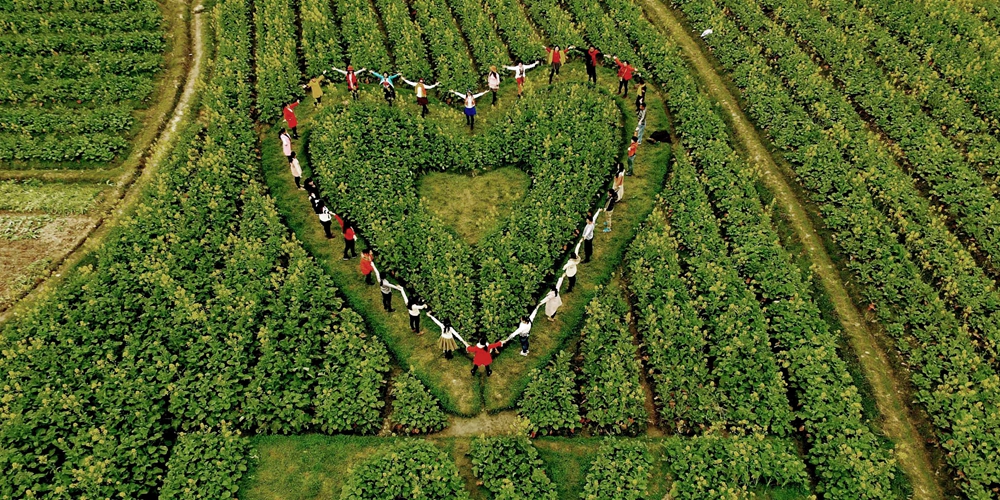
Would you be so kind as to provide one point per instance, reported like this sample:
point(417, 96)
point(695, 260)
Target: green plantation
point(790, 295)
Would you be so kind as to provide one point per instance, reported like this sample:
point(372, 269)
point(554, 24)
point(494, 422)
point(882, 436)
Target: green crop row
point(93, 90)
point(200, 311)
point(555, 23)
point(411, 469)
point(61, 120)
point(41, 44)
point(515, 30)
point(960, 46)
point(613, 398)
point(405, 42)
point(38, 69)
point(484, 42)
point(549, 400)
point(206, 465)
point(366, 45)
point(950, 178)
point(133, 18)
point(449, 53)
point(414, 409)
point(82, 6)
point(939, 350)
point(320, 37)
point(99, 147)
point(620, 471)
point(276, 58)
point(511, 468)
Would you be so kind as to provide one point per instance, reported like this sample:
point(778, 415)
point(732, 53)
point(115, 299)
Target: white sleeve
point(378, 277)
point(477, 96)
point(459, 94)
point(435, 320)
point(342, 72)
point(576, 251)
point(403, 293)
point(459, 337)
point(559, 283)
point(510, 68)
point(532, 65)
point(362, 70)
point(597, 214)
point(412, 84)
point(534, 313)
point(428, 87)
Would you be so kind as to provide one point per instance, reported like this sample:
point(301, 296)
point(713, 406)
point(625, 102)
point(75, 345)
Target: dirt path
point(153, 157)
point(897, 423)
point(482, 424)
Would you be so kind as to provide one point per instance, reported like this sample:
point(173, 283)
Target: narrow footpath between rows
point(897, 423)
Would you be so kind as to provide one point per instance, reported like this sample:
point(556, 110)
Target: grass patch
point(57, 198)
point(472, 204)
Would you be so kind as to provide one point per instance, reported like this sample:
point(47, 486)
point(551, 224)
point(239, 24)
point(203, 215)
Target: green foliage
point(414, 409)
point(413, 469)
point(515, 30)
point(510, 468)
point(360, 29)
point(549, 400)
point(888, 232)
point(206, 465)
point(620, 470)
point(26, 227)
point(367, 157)
point(33, 195)
point(613, 399)
point(320, 37)
point(276, 58)
point(449, 52)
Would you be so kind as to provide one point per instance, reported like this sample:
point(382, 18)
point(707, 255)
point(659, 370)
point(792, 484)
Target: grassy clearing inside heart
point(473, 205)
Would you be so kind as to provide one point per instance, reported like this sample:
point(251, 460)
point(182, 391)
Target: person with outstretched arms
point(470, 106)
point(557, 57)
point(413, 307)
point(448, 335)
point(421, 89)
point(352, 79)
point(519, 70)
point(388, 83)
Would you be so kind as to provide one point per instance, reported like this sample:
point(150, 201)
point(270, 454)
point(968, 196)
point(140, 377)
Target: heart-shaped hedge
point(368, 158)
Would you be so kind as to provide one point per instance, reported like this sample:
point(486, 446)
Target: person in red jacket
point(289, 112)
point(556, 58)
point(481, 355)
point(367, 265)
point(352, 79)
point(349, 237)
point(625, 71)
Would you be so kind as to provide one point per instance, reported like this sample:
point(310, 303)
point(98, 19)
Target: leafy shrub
point(620, 470)
point(548, 401)
point(511, 468)
point(206, 465)
point(414, 469)
point(414, 409)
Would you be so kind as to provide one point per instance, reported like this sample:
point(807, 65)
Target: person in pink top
point(290, 119)
point(286, 144)
point(493, 82)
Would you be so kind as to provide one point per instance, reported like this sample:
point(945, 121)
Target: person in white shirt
point(296, 168)
point(588, 236)
point(553, 301)
point(570, 267)
point(470, 106)
point(524, 330)
point(493, 82)
point(619, 182)
point(413, 307)
point(519, 71)
point(421, 90)
point(448, 335)
point(386, 288)
point(286, 144)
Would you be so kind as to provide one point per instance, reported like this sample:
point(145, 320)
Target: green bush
point(206, 465)
point(413, 469)
point(511, 468)
point(549, 400)
point(414, 409)
point(620, 471)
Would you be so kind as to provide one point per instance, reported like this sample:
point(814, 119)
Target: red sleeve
point(293, 105)
point(494, 345)
point(339, 221)
point(471, 348)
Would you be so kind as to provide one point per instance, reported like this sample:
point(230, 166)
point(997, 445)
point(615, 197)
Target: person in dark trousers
point(347, 226)
point(296, 168)
point(324, 216)
point(588, 238)
point(481, 355)
point(386, 288)
point(625, 72)
point(590, 60)
point(421, 89)
point(447, 340)
point(388, 85)
point(523, 331)
point(311, 187)
point(493, 82)
point(570, 267)
point(413, 307)
point(640, 89)
point(556, 58)
point(289, 113)
point(610, 208)
point(367, 265)
point(633, 148)
point(470, 106)
point(352, 79)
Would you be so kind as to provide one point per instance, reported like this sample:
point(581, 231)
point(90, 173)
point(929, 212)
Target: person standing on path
point(519, 70)
point(289, 113)
point(590, 60)
point(481, 355)
point(352, 79)
point(421, 90)
point(571, 265)
point(552, 301)
point(319, 206)
point(347, 226)
point(493, 82)
point(388, 85)
point(625, 72)
point(556, 57)
point(523, 331)
point(296, 168)
point(588, 238)
point(368, 265)
point(413, 307)
point(470, 106)
point(448, 335)
point(610, 208)
point(386, 288)
point(316, 84)
point(640, 89)
point(640, 126)
point(311, 188)
point(618, 184)
point(633, 148)
point(286, 144)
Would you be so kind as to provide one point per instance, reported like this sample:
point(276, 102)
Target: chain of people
point(482, 351)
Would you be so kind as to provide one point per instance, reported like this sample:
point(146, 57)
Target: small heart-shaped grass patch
point(472, 205)
point(369, 158)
